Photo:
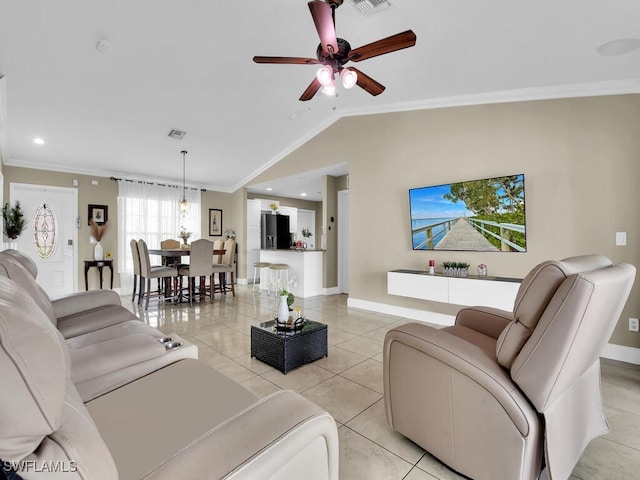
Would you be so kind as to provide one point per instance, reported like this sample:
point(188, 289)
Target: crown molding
point(106, 173)
point(605, 88)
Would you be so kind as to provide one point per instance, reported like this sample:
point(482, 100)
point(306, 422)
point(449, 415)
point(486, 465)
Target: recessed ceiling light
point(38, 141)
point(303, 194)
point(269, 189)
point(620, 46)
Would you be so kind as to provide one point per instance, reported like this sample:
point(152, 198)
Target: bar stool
point(277, 272)
point(258, 266)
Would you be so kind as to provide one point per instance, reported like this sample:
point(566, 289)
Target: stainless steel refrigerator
point(275, 231)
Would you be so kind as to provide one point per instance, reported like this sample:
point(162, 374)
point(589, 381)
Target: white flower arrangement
point(230, 234)
point(283, 287)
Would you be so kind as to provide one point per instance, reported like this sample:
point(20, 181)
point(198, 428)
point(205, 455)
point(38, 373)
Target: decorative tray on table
point(292, 326)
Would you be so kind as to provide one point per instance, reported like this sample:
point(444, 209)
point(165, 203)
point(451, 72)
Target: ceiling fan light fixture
point(349, 78)
point(325, 75)
point(330, 90)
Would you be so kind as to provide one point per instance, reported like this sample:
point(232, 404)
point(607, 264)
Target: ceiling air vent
point(370, 6)
point(177, 134)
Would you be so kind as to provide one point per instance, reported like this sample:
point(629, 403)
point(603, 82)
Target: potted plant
point(14, 222)
point(274, 208)
point(306, 233)
point(230, 234)
point(286, 298)
point(456, 269)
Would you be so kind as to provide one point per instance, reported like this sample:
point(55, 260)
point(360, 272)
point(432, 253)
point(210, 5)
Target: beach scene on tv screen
point(480, 215)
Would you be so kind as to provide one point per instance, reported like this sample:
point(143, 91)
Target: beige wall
point(580, 157)
point(105, 193)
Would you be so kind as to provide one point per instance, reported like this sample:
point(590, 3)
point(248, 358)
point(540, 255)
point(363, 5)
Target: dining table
point(177, 253)
point(172, 256)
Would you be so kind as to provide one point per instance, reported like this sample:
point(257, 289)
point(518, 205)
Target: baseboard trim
point(622, 353)
point(331, 291)
point(611, 351)
point(242, 281)
point(408, 313)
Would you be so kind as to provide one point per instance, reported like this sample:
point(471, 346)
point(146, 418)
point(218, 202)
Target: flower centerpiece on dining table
point(184, 235)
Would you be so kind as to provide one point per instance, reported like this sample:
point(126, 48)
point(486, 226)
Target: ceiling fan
point(333, 53)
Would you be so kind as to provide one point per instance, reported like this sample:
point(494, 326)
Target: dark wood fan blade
point(367, 83)
point(323, 18)
point(386, 45)
point(287, 60)
point(311, 90)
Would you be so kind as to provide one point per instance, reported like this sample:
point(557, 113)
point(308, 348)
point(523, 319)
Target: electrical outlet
point(633, 325)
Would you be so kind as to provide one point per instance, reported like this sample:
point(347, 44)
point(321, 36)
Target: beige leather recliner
point(499, 395)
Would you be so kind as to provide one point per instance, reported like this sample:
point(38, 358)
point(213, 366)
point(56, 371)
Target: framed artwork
point(98, 213)
point(215, 222)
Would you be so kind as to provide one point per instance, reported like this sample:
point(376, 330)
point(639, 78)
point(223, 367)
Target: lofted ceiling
point(188, 66)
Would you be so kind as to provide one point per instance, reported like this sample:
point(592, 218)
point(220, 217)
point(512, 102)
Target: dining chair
point(148, 272)
point(169, 243)
point(137, 276)
point(227, 265)
point(218, 245)
point(175, 262)
point(199, 267)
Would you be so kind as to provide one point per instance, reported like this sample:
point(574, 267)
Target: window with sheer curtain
point(150, 212)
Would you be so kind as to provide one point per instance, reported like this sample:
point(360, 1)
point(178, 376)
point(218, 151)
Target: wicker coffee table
point(288, 350)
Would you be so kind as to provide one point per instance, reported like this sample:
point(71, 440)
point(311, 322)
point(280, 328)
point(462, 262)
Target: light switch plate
point(621, 239)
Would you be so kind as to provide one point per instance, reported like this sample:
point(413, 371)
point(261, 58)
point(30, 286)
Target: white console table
point(498, 292)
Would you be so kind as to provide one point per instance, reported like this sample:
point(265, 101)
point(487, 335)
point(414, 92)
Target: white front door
point(57, 272)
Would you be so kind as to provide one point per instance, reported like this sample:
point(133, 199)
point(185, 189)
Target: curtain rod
point(115, 179)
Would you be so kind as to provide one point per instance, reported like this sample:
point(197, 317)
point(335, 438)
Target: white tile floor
point(348, 383)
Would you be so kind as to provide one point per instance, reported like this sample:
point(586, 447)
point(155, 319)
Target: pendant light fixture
point(183, 204)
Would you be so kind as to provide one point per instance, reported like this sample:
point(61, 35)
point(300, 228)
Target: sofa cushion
point(76, 445)
point(136, 423)
point(112, 355)
point(479, 339)
point(94, 319)
point(13, 269)
point(535, 293)
point(24, 260)
point(32, 373)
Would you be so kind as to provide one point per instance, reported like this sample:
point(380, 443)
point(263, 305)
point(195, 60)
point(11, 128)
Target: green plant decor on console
point(13, 220)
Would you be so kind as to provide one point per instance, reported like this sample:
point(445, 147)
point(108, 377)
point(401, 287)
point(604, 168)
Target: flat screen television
point(480, 215)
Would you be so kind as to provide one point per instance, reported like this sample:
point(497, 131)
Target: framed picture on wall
point(215, 222)
point(98, 213)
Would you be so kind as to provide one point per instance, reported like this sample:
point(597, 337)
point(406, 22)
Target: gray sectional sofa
point(89, 391)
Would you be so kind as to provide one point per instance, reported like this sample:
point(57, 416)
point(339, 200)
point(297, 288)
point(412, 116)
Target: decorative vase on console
point(98, 231)
point(98, 252)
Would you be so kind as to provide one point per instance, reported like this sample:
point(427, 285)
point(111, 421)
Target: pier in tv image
point(480, 215)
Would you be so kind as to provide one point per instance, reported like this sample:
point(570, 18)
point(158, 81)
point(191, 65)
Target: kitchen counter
point(304, 265)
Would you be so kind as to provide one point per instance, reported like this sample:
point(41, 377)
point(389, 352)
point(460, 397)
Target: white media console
point(498, 292)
